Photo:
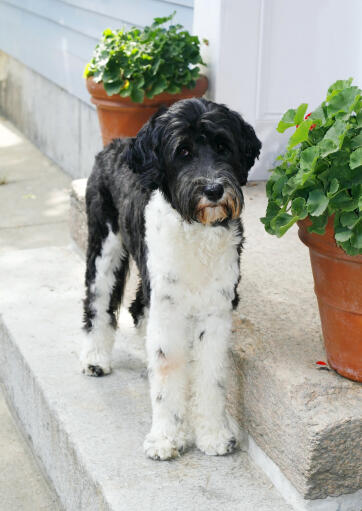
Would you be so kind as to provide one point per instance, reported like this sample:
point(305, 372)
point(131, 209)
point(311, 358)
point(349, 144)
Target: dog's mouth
point(209, 213)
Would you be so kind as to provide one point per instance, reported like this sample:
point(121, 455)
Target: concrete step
point(305, 424)
point(88, 432)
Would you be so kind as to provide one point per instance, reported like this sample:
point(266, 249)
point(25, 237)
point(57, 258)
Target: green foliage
point(147, 62)
point(320, 174)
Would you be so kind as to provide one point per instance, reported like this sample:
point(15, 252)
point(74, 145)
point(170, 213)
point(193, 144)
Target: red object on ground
point(122, 117)
point(338, 285)
point(321, 363)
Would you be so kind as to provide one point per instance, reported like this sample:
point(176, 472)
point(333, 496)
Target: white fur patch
point(98, 343)
point(193, 269)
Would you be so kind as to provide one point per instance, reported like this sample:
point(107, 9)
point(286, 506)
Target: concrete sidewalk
point(34, 203)
point(34, 195)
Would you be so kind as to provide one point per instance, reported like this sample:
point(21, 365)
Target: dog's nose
point(214, 192)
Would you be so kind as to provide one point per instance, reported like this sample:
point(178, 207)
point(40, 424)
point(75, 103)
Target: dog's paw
point(160, 447)
point(217, 443)
point(95, 364)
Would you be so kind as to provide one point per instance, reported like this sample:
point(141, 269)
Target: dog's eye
point(184, 152)
point(221, 148)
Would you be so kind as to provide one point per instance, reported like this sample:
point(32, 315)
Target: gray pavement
point(34, 204)
point(34, 196)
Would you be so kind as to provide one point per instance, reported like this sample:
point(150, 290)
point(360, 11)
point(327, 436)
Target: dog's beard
point(227, 208)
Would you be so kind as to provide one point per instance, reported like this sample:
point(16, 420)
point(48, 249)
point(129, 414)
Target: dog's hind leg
point(107, 269)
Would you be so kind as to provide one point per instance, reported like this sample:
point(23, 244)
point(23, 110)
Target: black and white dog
point(171, 199)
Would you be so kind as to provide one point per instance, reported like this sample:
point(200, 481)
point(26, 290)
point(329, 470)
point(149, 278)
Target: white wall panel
point(267, 56)
point(56, 38)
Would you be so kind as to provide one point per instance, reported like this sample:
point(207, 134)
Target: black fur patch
point(160, 353)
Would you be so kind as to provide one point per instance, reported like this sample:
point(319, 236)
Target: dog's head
point(198, 153)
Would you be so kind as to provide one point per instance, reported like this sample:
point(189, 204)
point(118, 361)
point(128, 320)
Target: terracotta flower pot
point(121, 117)
point(338, 286)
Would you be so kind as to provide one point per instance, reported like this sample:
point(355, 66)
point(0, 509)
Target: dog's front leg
point(167, 365)
point(215, 431)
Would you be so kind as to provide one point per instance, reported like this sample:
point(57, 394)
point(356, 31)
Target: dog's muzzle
point(217, 204)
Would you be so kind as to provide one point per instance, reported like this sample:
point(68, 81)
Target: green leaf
point(344, 202)
point(349, 219)
point(138, 82)
point(137, 95)
point(356, 239)
point(112, 88)
point(356, 177)
point(282, 222)
point(333, 189)
point(333, 139)
point(159, 86)
point(299, 208)
point(342, 233)
point(309, 157)
point(272, 211)
point(300, 134)
point(319, 223)
point(318, 114)
point(287, 121)
point(356, 141)
point(156, 66)
point(343, 101)
point(125, 92)
point(359, 119)
point(317, 202)
point(299, 114)
point(173, 89)
point(339, 85)
point(161, 21)
point(356, 158)
point(347, 247)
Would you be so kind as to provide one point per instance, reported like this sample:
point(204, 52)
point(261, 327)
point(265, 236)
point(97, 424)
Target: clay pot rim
point(99, 95)
point(319, 242)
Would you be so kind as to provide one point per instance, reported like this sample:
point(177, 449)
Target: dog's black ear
point(248, 143)
point(143, 153)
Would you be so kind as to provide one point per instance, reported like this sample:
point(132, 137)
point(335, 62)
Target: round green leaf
point(356, 158)
point(137, 95)
point(317, 202)
point(342, 233)
point(282, 222)
point(112, 87)
point(299, 208)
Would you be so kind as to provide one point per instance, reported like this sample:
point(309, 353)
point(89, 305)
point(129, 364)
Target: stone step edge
point(64, 475)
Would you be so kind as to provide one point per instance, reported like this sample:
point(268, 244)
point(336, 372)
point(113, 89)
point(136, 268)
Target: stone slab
point(306, 420)
point(88, 432)
point(18, 466)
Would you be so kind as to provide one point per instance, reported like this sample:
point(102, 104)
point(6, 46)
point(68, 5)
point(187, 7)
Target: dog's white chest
point(192, 259)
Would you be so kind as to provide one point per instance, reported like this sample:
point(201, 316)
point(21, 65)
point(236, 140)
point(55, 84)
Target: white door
point(266, 56)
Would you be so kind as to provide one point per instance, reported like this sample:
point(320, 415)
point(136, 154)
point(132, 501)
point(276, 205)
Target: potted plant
point(318, 184)
point(133, 73)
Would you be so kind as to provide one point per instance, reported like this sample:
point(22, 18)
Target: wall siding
point(56, 38)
